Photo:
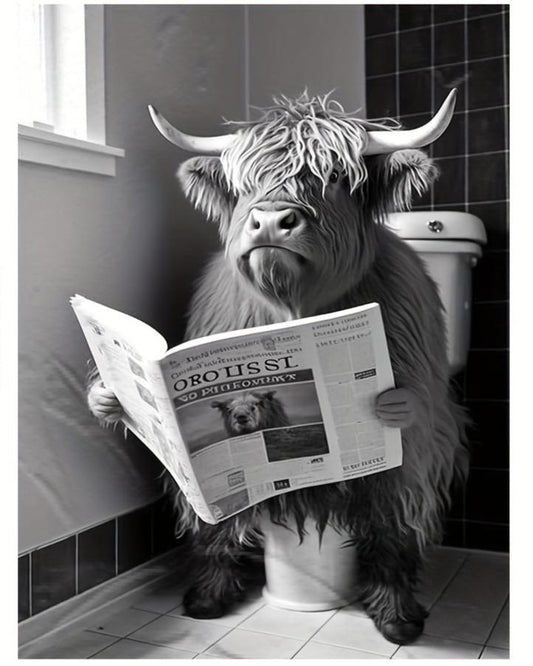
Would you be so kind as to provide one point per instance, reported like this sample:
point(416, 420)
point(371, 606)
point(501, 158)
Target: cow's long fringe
point(314, 133)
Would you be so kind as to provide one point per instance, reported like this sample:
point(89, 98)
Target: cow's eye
point(334, 176)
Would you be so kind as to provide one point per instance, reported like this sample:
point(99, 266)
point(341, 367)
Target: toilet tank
point(449, 243)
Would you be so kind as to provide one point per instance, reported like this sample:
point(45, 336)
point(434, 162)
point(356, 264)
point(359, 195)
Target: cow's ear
point(396, 179)
point(204, 184)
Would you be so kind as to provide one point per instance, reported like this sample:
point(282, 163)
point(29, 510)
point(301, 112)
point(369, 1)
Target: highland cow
point(300, 197)
point(251, 412)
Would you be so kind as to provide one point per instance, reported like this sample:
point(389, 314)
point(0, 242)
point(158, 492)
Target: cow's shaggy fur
point(251, 411)
point(338, 256)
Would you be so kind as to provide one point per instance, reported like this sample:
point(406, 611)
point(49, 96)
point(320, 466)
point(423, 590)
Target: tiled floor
point(467, 593)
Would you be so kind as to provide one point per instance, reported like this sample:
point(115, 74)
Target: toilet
point(314, 576)
point(449, 242)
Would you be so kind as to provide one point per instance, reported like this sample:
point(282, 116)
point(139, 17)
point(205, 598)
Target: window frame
point(39, 145)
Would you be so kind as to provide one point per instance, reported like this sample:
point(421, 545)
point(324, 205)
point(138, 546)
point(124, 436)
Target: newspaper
point(242, 416)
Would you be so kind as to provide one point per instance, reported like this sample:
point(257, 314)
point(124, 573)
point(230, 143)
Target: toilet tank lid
point(424, 224)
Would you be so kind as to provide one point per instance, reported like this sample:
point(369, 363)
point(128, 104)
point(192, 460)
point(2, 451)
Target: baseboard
point(107, 598)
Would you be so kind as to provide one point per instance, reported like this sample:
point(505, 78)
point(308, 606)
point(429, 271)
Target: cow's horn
point(206, 145)
point(387, 141)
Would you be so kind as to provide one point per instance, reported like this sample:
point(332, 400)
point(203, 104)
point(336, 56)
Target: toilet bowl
point(314, 575)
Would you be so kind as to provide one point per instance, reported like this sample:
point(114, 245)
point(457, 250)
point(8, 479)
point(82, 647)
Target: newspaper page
point(286, 407)
point(123, 349)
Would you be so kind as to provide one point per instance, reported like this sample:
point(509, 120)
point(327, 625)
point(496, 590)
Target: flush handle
point(435, 225)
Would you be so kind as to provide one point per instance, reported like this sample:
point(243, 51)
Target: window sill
point(44, 147)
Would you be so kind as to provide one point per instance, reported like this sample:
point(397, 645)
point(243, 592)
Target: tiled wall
point(70, 566)
point(414, 55)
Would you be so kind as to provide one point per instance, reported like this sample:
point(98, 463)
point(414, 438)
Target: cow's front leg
point(220, 571)
point(397, 408)
point(389, 564)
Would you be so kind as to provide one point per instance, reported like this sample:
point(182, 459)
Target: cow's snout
point(273, 226)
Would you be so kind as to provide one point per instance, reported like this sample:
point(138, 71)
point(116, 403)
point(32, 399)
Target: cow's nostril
point(255, 224)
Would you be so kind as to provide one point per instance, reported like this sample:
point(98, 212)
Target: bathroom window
point(61, 105)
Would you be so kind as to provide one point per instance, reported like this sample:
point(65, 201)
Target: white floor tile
point(123, 622)
point(181, 633)
point(356, 632)
point(162, 600)
point(128, 649)
point(293, 624)
point(470, 606)
point(499, 636)
point(494, 653)
point(314, 650)
point(430, 647)
point(241, 644)
point(441, 566)
point(80, 645)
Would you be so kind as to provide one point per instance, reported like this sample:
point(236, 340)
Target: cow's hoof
point(402, 633)
point(201, 607)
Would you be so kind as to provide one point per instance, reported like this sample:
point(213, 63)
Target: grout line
point(455, 63)
point(487, 644)
point(460, 111)
point(506, 96)
point(246, 62)
point(502, 151)
point(422, 27)
point(76, 564)
point(466, 137)
point(30, 584)
point(432, 92)
point(116, 546)
point(397, 59)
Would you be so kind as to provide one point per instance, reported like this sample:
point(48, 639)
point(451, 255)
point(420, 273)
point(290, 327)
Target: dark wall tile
point(452, 142)
point(486, 536)
point(454, 534)
point(495, 220)
point(450, 187)
point(380, 55)
point(485, 37)
point(417, 119)
point(381, 97)
point(414, 16)
point(379, 19)
point(487, 375)
point(481, 10)
point(487, 177)
point(457, 508)
point(449, 43)
point(164, 525)
point(134, 538)
point(489, 434)
point(490, 278)
point(447, 77)
point(24, 587)
point(96, 555)
point(415, 92)
point(490, 326)
point(486, 83)
point(53, 574)
point(415, 49)
point(487, 130)
point(443, 13)
point(487, 496)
